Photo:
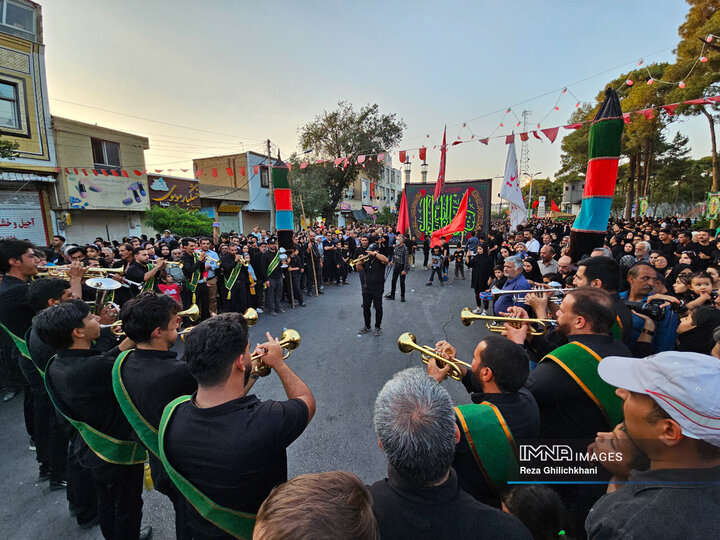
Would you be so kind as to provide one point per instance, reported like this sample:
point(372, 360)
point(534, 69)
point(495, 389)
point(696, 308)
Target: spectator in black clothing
point(140, 272)
point(539, 508)
point(373, 286)
point(426, 252)
point(295, 268)
point(273, 279)
point(500, 368)
point(193, 269)
point(416, 428)
point(57, 243)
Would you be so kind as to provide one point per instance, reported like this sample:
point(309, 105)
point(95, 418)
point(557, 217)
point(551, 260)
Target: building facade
point(234, 190)
point(27, 178)
point(365, 196)
point(102, 187)
point(572, 196)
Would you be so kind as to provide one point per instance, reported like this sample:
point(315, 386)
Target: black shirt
point(234, 453)
point(404, 510)
point(136, 272)
point(374, 274)
point(267, 258)
point(520, 412)
point(15, 313)
point(566, 411)
point(190, 266)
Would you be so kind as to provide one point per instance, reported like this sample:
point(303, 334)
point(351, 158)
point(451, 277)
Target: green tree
point(702, 19)
point(8, 149)
point(544, 187)
point(385, 216)
point(309, 189)
point(342, 133)
point(179, 221)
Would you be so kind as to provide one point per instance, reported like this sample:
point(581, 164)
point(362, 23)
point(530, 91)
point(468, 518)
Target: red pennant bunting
point(289, 167)
point(338, 161)
point(524, 137)
point(345, 163)
point(422, 153)
point(75, 171)
point(256, 169)
point(380, 157)
point(551, 133)
point(159, 171)
point(137, 173)
point(125, 173)
point(484, 141)
point(115, 173)
point(403, 156)
point(57, 169)
point(304, 165)
point(67, 171)
point(213, 171)
point(198, 173)
point(509, 139)
point(105, 172)
point(626, 118)
point(229, 171)
point(361, 158)
point(535, 134)
point(649, 114)
point(95, 173)
point(184, 170)
point(535, 204)
point(574, 126)
point(242, 171)
point(699, 101)
point(670, 109)
point(84, 172)
point(713, 99)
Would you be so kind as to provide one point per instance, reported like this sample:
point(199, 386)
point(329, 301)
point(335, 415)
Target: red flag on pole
point(441, 173)
point(403, 222)
point(403, 156)
point(422, 153)
point(456, 225)
point(554, 207)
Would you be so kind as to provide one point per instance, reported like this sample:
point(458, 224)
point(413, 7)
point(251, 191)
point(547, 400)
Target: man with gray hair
point(642, 251)
point(515, 280)
point(415, 423)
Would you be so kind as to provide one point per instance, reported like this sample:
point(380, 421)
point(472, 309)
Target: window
point(106, 154)
point(9, 116)
point(17, 16)
point(264, 177)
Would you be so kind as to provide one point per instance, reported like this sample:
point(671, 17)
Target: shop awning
point(7, 176)
point(369, 210)
point(224, 193)
point(361, 215)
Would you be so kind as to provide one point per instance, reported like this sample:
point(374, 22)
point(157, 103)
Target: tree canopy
point(343, 132)
point(179, 221)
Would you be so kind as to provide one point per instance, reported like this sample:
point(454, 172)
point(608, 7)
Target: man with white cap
point(671, 404)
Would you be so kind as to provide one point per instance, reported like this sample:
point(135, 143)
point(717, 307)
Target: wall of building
point(88, 224)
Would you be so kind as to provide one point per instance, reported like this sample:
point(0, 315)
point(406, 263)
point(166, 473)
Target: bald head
point(564, 263)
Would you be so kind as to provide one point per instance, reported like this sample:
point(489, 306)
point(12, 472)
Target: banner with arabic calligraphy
point(713, 205)
point(106, 192)
point(21, 216)
point(427, 215)
point(166, 191)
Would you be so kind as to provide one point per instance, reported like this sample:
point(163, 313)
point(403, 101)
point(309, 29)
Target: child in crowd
point(700, 293)
point(168, 286)
point(459, 262)
point(436, 266)
point(496, 282)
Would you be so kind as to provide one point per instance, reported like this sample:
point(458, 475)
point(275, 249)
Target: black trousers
point(50, 440)
point(119, 496)
point(313, 277)
point(297, 291)
point(437, 270)
point(426, 254)
point(81, 492)
point(398, 272)
point(370, 297)
point(201, 299)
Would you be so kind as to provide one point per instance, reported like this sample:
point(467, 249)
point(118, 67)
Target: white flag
point(518, 215)
point(510, 190)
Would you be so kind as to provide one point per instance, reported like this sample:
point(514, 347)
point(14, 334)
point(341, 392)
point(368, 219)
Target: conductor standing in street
point(373, 286)
point(400, 266)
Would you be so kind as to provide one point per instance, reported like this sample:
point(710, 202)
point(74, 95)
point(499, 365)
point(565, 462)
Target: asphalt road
point(344, 370)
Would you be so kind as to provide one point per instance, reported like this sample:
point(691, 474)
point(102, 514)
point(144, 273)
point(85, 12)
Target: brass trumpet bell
point(250, 315)
point(408, 344)
point(289, 341)
point(496, 324)
point(192, 313)
point(362, 259)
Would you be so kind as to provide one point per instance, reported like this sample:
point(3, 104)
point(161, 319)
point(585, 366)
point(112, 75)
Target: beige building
point(365, 196)
point(102, 187)
point(25, 180)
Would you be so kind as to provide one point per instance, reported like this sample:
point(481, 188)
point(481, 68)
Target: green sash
point(580, 362)
point(273, 263)
point(617, 329)
point(149, 285)
point(239, 524)
point(232, 278)
point(191, 284)
point(106, 447)
point(491, 442)
point(19, 342)
point(146, 432)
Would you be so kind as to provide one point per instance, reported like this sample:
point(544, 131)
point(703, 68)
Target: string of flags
point(550, 133)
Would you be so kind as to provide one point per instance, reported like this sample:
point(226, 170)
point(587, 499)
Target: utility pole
point(270, 187)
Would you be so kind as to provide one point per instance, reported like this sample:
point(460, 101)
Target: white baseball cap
point(685, 384)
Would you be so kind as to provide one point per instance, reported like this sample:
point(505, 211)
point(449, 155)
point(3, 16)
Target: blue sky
point(248, 71)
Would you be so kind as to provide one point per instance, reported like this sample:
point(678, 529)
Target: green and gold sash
point(273, 264)
point(17, 341)
point(491, 442)
point(617, 329)
point(149, 285)
point(581, 363)
point(106, 447)
point(232, 278)
point(192, 283)
point(147, 433)
point(239, 524)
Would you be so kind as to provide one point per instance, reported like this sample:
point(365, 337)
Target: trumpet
point(173, 264)
point(362, 259)
point(495, 324)
point(250, 315)
point(407, 344)
point(289, 341)
point(192, 313)
point(90, 271)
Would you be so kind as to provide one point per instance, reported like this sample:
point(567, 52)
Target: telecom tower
point(524, 149)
